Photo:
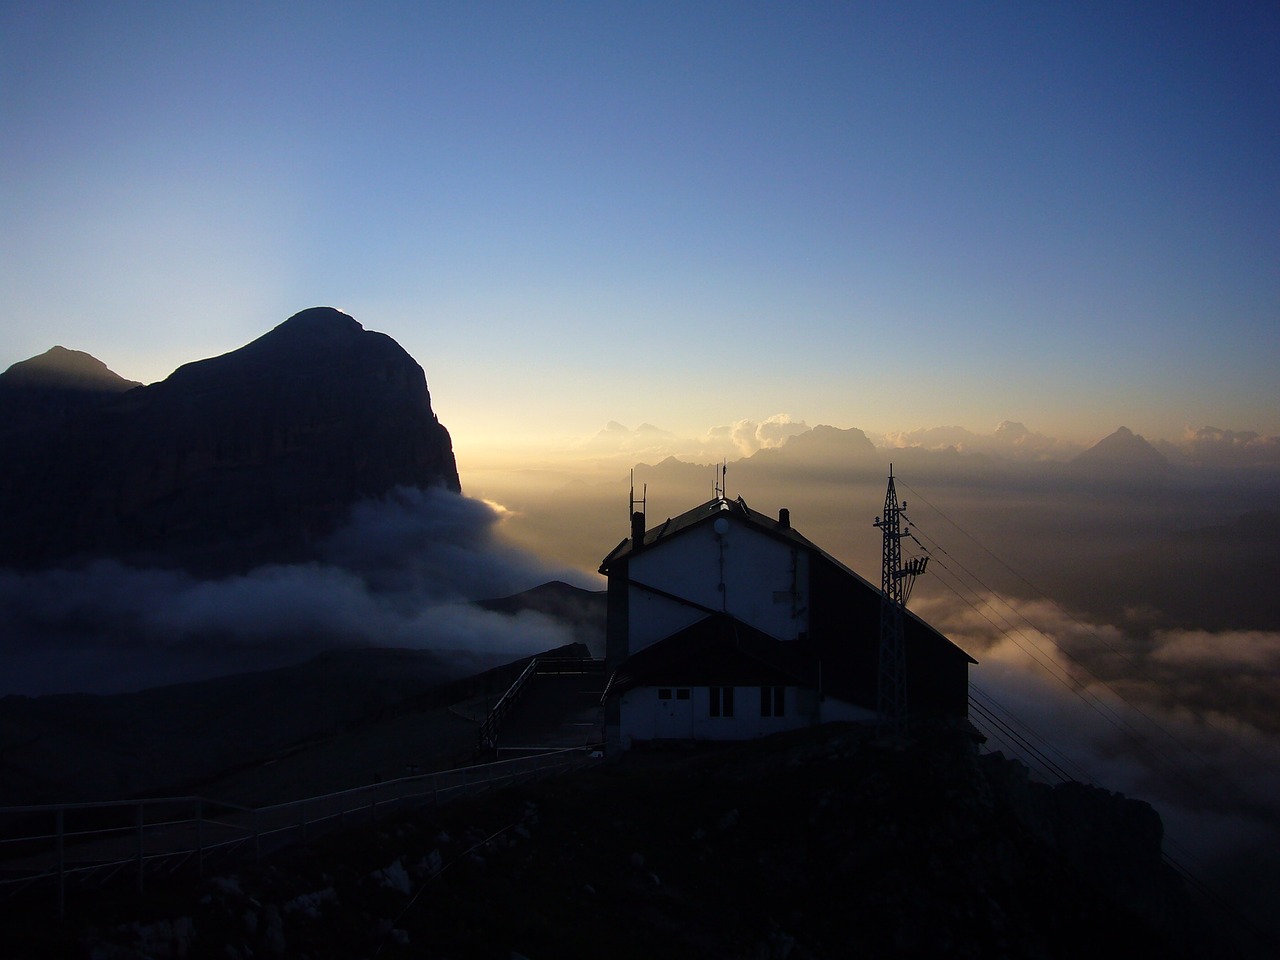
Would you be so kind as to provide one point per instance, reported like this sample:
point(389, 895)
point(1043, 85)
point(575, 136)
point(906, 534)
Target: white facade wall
point(645, 716)
point(652, 617)
point(831, 710)
point(755, 578)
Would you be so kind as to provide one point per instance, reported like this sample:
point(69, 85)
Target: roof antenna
point(644, 495)
point(721, 470)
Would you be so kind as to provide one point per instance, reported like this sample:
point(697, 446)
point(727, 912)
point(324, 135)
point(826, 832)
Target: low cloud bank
point(1215, 447)
point(1010, 439)
point(648, 443)
point(1182, 719)
point(745, 437)
point(1210, 448)
point(398, 574)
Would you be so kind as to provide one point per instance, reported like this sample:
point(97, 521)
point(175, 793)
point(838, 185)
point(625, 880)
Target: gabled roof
point(709, 512)
point(738, 511)
point(718, 650)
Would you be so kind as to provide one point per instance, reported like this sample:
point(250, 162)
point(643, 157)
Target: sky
point(883, 216)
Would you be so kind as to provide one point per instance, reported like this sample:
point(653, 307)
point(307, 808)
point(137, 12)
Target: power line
point(1085, 628)
point(993, 719)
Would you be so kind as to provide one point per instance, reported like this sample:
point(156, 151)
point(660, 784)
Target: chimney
point(637, 530)
point(784, 518)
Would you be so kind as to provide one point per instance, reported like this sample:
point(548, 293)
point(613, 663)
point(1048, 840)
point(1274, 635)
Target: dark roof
point(716, 651)
point(708, 513)
point(738, 511)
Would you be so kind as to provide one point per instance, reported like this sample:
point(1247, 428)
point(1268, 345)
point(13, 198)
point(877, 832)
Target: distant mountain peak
point(1011, 429)
point(62, 369)
point(1123, 448)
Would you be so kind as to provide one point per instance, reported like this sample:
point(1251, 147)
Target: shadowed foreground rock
point(824, 843)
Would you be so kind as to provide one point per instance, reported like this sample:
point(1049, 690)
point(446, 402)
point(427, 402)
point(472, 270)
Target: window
point(773, 701)
point(721, 702)
point(682, 694)
point(664, 693)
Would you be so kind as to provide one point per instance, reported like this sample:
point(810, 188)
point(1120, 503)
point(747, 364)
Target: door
point(675, 714)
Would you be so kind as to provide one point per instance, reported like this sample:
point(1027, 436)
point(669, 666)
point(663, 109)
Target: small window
point(773, 701)
point(721, 702)
point(664, 693)
point(682, 694)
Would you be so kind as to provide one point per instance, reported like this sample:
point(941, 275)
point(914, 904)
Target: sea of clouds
point(399, 573)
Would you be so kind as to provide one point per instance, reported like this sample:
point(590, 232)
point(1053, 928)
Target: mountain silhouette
point(230, 462)
point(1124, 448)
point(55, 385)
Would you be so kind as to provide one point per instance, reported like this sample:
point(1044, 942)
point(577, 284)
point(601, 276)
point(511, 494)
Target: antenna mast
point(895, 585)
point(644, 495)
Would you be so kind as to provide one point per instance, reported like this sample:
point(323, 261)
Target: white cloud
point(1214, 447)
point(651, 444)
point(749, 436)
point(1212, 774)
point(398, 575)
point(1227, 650)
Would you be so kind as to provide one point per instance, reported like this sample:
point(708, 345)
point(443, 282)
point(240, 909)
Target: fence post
point(62, 868)
point(141, 821)
point(200, 839)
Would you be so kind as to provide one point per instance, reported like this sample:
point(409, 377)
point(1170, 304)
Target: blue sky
point(886, 216)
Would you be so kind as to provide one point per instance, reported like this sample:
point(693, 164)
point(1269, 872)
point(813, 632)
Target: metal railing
point(61, 843)
point(565, 666)
point(489, 729)
point(487, 738)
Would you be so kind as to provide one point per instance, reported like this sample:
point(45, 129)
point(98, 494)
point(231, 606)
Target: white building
point(726, 624)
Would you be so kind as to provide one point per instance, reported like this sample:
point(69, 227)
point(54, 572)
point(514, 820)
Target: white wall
point(645, 717)
point(831, 710)
point(766, 583)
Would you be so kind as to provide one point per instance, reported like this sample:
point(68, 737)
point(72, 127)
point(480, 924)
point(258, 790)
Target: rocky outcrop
point(233, 461)
point(823, 843)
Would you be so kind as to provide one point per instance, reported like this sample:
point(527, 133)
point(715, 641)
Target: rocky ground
point(823, 843)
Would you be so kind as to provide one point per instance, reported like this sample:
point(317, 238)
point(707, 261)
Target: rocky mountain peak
point(63, 369)
point(322, 319)
point(232, 461)
point(1123, 448)
point(317, 328)
point(1011, 430)
point(40, 393)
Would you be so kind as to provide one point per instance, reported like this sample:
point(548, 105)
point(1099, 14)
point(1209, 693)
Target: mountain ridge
point(249, 457)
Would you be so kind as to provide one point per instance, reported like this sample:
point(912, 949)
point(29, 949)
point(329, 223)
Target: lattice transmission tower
point(895, 586)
